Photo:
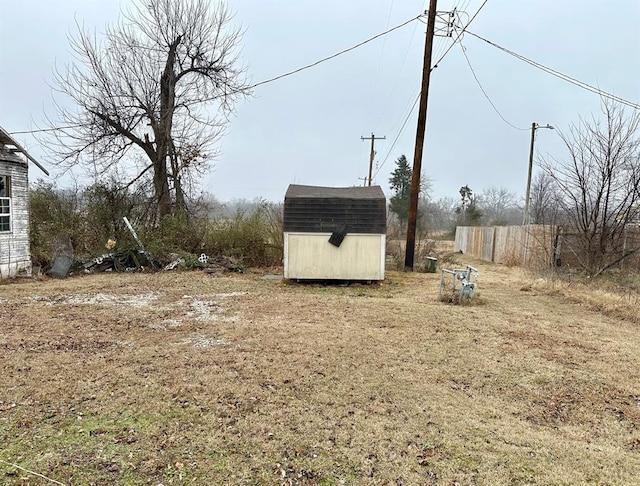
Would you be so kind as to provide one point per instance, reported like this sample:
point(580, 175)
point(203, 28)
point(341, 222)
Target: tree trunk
point(161, 188)
point(163, 131)
point(181, 203)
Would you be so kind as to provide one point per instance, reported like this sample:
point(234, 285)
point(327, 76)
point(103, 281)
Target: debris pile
point(221, 263)
point(215, 264)
point(126, 260)
point(132, 259)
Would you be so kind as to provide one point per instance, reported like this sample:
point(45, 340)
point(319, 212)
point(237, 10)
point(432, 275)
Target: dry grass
point(614, 295)
point(190, 378)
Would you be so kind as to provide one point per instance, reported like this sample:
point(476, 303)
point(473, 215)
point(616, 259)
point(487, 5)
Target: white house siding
point(14, 246)
point(311, 256)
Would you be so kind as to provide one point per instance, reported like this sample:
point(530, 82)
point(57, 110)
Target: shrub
point(89, 218)
point(253, 238)
point(256, 238)
point(55, 216)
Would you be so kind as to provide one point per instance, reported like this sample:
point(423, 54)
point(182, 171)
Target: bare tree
point(440, 213)
point(544, 199)
point(599, 184)
point(162, 82)
point(498, 206)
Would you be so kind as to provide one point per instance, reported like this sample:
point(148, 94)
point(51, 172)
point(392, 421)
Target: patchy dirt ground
point(187, 378)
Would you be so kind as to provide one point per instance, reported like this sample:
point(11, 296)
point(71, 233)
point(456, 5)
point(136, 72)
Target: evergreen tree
point(468, 212)
point(400, 183)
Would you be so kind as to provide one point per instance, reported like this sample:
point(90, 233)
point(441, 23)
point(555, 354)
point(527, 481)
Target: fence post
point(493, 245)
point(557, 246)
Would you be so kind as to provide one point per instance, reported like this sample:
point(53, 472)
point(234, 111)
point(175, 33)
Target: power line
point(39, 130)
point(464, 52)
point(399, 74)
point(270, 80)
point(464, 29)
point(334, 55)
point(440, 44)
point(375, 84)
point(395, 140)
point(564, 77)
point(404, 123)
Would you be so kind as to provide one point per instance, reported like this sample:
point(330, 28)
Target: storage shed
point(334, 233)
point(15, 255)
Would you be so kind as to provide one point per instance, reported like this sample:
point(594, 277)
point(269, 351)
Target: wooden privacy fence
point(539, 245)
point(531, 245)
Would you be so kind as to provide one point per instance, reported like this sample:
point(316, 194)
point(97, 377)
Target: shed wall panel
point(311, 256)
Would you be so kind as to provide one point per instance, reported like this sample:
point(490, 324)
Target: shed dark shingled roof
point(314, 209)
point(358, 192)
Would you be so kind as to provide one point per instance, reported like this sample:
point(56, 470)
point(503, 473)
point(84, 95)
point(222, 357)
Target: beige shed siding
point(311, 256)
point(14, 246)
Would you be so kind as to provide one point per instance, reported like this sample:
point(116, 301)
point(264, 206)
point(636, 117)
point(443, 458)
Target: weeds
point(88, 218)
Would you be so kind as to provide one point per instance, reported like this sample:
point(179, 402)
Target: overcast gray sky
point(306, 128)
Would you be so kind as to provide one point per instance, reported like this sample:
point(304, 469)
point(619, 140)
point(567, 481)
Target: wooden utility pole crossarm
point(420, 131)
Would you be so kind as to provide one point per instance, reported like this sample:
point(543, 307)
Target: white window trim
point(3, 215)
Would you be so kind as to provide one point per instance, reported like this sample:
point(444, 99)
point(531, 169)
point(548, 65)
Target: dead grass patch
point(619, 302)
point(190, 378)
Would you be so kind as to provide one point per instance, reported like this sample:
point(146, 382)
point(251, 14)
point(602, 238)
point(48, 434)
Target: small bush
point(55, 216)
point(396, 244)
point(256, 239)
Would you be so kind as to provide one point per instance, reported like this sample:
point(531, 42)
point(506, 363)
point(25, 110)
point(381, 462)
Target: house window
point(5, 203)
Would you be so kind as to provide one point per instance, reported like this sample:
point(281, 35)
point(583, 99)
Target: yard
point(189, 378)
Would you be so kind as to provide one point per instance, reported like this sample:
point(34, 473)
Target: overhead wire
point(440, 44)
point(344, 51)
point(395, 140)
point(39, 130)
point(558, 74)
point(399, 73)
point(404, 123)
point(460, 34)
point(411, 109)
point(266, 81)
point(375, 83)
point(464, 52)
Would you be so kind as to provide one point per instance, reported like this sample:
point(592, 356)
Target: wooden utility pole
point(373, 139)
point(525, 217)
point(527, 197)
point(422, 125)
